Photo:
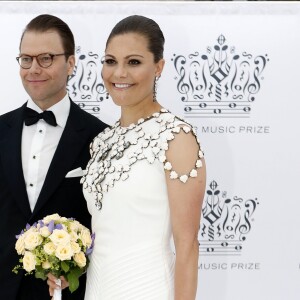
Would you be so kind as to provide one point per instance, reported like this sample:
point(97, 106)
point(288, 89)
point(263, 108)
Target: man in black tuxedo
point(42, 155)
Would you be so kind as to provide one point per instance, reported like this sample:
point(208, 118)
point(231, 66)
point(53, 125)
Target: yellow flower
point(64, 252)
point(60, 237)
point(73, 236)
point(49, 248)
point(75, 247)
point(46, 265)
point(54, 217)
point(29, 261)
point(32, 239)
point(74, 225)
point(20, 245)
point(80, 259)
point(44, 231)
point(85, 237)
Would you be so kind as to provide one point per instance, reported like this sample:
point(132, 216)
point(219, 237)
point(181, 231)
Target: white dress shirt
point(39, 142)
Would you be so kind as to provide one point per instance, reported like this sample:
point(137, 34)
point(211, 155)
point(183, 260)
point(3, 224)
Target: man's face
point(45, 86)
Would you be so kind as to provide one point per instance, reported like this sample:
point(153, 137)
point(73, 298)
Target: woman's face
point(129, 70)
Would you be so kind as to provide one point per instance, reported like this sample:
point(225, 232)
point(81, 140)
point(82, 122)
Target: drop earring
point(155, 88)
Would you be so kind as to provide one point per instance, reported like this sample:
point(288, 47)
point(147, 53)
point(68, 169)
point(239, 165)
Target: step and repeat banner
point(232, 70)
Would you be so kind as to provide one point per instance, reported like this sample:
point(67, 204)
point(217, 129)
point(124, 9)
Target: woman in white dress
point(145, 182)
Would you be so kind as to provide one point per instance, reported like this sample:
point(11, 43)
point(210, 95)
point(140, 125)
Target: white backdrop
point(232, 69)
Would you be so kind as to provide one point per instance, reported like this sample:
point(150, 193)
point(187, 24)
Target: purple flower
point(58, 226)
point(51, 226)
point(27, 226)
point(17, 236)
point(90, 249)
point(41, 223)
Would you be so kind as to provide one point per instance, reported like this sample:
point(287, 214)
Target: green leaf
point(73, 282)
point(41, 275)
point(16, 269)
point(65, 266)
point(73, 279)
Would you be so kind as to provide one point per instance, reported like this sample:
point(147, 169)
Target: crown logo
point(85, 85)
point(220, 83)
point(225, 223)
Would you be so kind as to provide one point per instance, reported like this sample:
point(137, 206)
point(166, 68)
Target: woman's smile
point(122, 85)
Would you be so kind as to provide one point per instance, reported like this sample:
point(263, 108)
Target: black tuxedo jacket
point(58, 195)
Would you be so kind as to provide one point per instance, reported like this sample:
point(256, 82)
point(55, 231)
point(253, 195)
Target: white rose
point(80, 259)
point(74, 225)
point(46, 265)
point(60, 237)
point(31, 229)
point(29, 261)
point(32, 240)
point(81, 227)
point(64, 252)
point(20, 245)
point(49, 248)
point(73, 236)
point(44, 231)
point(75, 247)
point(85, 237)
point(54, 217)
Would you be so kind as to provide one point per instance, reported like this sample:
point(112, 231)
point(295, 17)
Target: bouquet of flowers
point(55, 245)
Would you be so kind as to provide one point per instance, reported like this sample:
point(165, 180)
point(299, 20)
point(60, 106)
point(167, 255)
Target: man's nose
point(35, 67)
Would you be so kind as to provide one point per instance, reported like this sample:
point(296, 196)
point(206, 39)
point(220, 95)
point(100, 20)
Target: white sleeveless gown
point(132, 257)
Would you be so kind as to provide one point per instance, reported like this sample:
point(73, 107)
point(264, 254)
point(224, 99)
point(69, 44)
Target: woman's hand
point(51, 281)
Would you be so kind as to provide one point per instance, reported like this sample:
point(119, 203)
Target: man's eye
point(26, 59)
point(45, 58)
point(134, 62)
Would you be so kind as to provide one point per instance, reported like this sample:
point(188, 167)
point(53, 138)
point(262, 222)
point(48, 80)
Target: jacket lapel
point(71, 142)
point(11, 159)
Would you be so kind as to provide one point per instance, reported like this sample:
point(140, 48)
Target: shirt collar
point(61, 110)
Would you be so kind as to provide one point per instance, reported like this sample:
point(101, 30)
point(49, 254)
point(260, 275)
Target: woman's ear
point(159, 67)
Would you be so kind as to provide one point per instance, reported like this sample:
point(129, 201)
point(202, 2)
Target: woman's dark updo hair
point(144, 26)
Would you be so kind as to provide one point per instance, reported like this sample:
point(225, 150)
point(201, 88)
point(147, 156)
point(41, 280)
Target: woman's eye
point(109, 61)
point(134, 62)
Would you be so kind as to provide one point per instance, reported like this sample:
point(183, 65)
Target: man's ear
point(71, 64)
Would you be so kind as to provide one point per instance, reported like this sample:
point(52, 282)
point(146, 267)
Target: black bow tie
point(32, 116)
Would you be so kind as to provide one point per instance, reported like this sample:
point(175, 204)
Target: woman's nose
point(121, 71)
